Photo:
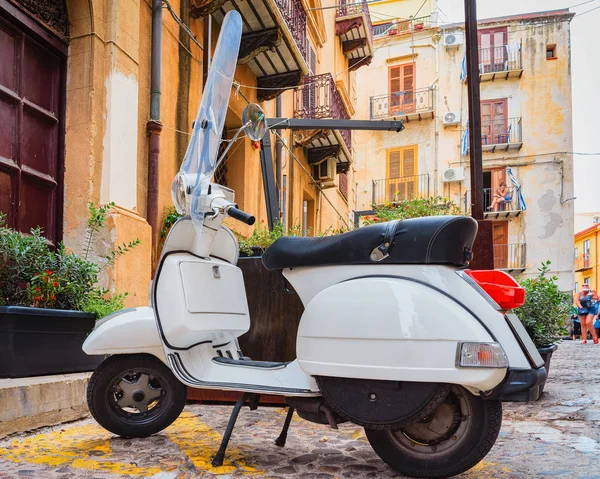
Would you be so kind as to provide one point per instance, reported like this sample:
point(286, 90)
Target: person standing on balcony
point(586, 302)
point(500, 196)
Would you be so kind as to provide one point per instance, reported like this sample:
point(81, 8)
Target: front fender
point(390, 329)
point(129, 331)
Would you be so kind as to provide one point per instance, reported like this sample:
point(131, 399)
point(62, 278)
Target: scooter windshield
point(200, 161)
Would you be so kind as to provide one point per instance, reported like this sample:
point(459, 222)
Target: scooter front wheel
point(135, 395)
point(453, 439)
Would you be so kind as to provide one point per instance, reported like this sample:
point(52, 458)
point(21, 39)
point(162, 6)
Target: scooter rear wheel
point(453, 439)
point(135, 395)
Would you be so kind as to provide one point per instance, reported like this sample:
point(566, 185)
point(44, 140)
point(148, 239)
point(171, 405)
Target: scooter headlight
point(481, 355)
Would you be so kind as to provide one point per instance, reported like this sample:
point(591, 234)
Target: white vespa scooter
point(396, 336)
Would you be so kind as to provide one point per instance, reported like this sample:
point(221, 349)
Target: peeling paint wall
point(541, 97)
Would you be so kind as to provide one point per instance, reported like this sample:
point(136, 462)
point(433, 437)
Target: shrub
point(546, 308)
point(31, 274)
point(413, 208)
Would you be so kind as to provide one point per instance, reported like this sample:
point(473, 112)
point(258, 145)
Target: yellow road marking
point(81, 447)
point(89, 447)
point(200, 443)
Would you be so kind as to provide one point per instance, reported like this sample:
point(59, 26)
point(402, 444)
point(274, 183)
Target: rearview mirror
point(254, 121)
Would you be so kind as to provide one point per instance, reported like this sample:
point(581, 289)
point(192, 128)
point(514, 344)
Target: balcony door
point(492, 49)
point(309, 92)
point(494, 121)
point(401, 174)
point(401, 80)
point(500, 244)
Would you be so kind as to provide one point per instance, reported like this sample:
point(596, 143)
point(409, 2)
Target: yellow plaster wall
point(590, 234)
point(108, 36)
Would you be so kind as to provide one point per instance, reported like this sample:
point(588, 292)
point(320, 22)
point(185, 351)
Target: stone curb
point(31, 403)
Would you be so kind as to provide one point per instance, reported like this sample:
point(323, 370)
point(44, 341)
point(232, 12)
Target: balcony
point(353, 26)
point(501, 134)
point(318, 98)
point(500, 62)
point(501, 208)
point(510, 257)
point(583, 262)
point(274, 41)
point(399, 26)
point(392, 190)
point(405, 105)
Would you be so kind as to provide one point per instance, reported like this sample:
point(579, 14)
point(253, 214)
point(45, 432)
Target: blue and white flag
point(463, 69)
point(464, 145)
point(513, 179)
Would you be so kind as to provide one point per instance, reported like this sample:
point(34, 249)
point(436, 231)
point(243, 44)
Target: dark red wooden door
point(31, 86)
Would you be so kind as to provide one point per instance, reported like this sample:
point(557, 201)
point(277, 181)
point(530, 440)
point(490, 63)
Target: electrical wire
point(181, 23)
point(587, 11)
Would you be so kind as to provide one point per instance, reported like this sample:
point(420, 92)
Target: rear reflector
point(481, 355)
point(500, 286)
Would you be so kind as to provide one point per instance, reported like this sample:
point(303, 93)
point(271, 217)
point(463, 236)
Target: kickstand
point(218, 460)
point(280, 441)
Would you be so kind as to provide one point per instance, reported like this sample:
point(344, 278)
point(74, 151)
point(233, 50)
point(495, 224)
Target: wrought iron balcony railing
point(583, 262)
point(397, 26)
point(295, 16)
point(390, 190)
point(501, 58)
point(510, 256)
point(346, 8)
point(402, 103)
point(318, 98)
point(501, 131)
point(494, 203)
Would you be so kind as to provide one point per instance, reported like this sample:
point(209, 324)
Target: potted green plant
point(543, 314)
point(50, 299)
point(412, 208)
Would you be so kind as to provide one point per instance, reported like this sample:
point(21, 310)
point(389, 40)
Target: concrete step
point(30, 403)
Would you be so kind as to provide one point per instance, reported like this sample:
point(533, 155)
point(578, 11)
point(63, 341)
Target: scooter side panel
point(199, 300)
point(443, 280)
point(129, 332)
point(390, 329)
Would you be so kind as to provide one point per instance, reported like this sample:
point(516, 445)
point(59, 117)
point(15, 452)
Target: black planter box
point(37, 341)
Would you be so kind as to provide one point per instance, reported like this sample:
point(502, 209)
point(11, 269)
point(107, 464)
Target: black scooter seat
point(427, 240)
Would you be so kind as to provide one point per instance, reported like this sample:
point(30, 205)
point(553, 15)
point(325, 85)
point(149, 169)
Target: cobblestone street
point(558, 436)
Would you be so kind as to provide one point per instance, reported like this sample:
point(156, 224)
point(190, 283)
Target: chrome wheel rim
point(136, 396)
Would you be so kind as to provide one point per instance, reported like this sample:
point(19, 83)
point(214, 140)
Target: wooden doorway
point(492, 49)
point(401, 87)
point(494, 121)
point(32, 95)
point(500, 244)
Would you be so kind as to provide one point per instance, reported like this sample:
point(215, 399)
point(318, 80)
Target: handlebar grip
point(241, 216)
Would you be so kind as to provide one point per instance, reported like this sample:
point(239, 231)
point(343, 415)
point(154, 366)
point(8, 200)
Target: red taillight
point(501, 287)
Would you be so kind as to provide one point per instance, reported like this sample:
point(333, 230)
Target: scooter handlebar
point(241, 216)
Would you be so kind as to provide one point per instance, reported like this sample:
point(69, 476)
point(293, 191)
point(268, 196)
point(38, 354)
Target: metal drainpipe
point(154, 126)
point(278, 160)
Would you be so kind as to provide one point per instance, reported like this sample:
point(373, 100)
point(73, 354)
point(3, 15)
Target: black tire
point(138, 382)
point(467, 428)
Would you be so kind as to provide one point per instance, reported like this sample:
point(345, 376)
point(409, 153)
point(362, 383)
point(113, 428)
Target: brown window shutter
point(395, 79)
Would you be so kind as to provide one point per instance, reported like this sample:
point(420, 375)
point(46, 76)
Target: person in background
point(586, 308)
point(596, 319)
point(575, 325)
point(500, 196)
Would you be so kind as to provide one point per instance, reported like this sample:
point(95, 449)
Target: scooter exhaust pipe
point(313, 410)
